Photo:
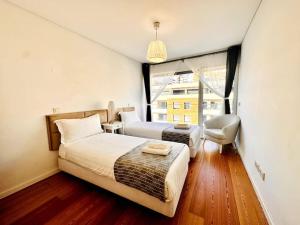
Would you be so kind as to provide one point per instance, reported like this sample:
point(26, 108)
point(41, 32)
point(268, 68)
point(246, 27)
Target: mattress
point(98, 154)
point(154, 130)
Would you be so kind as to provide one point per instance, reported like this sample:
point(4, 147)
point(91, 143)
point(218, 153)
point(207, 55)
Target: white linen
point(100, 152)
point(75, 129)
point(129, 117)
point(154, 130)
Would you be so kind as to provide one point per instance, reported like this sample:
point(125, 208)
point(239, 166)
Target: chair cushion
point(216, 133)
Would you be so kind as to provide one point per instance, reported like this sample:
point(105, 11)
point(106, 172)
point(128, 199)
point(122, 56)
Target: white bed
point(92, 159)
point(154, 130)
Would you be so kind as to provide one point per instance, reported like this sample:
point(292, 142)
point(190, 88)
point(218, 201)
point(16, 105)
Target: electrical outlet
point(261, 173)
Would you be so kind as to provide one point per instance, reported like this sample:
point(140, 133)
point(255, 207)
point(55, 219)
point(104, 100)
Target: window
point(178, 92)
point(176, 105)
point(213, 105)
point(162, 105)
point(193, 91)
point(162, 117)
point(187, 105)
point(176, 118)
point(187, 119)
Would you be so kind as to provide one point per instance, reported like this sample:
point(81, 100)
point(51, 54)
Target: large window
point(177, 96)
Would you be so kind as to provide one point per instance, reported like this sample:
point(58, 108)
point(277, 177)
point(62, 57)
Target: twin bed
point(95, 157)
point(133, 126)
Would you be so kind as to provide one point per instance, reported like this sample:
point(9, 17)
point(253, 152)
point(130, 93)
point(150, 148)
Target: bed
point(94, 157)
point(155, 130)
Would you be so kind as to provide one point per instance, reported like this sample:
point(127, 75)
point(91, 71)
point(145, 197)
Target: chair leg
point(203, 142)
point(221, 149)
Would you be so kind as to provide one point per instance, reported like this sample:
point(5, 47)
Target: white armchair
point(222, 129)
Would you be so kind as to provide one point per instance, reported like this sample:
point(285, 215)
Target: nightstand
point(113, 127)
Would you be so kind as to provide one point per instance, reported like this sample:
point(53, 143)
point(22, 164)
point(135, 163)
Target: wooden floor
point(217, 191)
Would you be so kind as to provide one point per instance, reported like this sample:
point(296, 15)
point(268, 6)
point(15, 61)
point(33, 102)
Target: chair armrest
point(230, 130)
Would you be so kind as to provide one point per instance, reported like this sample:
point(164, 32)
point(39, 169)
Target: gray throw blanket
point(178, 135)
point(145, 172)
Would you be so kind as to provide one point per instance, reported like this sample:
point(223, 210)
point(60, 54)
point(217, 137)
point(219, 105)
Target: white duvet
point(154, 130)
point(100, 152)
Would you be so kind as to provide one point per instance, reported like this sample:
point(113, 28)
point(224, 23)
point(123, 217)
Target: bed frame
point(167, 208)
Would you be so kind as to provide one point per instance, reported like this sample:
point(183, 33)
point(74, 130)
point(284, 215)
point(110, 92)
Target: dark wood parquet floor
point(217, 191)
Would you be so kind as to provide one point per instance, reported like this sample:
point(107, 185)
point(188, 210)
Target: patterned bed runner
point(145, 172)
point(178, 135)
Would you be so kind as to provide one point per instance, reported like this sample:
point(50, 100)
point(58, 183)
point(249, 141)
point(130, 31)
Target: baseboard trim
point(26, 184)
point(258, 194)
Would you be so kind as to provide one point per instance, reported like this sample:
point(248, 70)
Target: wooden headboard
point(53, 133)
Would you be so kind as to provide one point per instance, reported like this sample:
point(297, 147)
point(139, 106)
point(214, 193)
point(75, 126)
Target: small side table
point(113, 127)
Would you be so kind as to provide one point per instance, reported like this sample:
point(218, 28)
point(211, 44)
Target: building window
point(192, 91)
point(213, 105)
point(176, 105)
point(178, 92)
point(175, 118)
point(187, 105)
point(187, 119)
point(162, 117)
point(162, 105)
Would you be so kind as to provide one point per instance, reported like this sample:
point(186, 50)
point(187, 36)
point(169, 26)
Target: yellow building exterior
point(182, 110)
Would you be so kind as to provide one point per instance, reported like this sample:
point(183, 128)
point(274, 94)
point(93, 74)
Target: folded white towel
point(156, 151)
point(158, 146)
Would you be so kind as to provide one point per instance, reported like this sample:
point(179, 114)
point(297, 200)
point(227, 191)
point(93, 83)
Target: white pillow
point(75, 129)
point(128, 117)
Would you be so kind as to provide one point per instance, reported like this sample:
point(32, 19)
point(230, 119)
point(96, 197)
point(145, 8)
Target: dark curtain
point(146, 74)
point(232, 60)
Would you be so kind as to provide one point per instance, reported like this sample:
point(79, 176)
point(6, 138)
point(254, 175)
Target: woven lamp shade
point(157, 52)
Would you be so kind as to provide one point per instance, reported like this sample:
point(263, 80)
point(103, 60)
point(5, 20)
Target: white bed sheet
point(98, 153)
point(154, 130)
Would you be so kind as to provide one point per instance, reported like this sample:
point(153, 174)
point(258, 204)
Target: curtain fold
point(231, 64)
point(146, 74)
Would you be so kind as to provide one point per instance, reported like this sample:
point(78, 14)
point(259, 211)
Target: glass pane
point(212, 103)
point(178, 102)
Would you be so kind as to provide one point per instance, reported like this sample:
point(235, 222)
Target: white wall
point(44, 66)
point(269, 94)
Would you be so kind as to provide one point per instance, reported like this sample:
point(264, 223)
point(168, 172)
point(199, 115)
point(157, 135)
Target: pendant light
point(157, 51)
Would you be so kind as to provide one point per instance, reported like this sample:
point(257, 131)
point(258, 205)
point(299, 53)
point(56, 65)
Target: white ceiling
point(188, 27)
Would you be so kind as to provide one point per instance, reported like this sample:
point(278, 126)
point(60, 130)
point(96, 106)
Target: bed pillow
point(75, 129)
point(129, 117)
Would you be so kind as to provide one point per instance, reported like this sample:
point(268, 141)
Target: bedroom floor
point(217, 191)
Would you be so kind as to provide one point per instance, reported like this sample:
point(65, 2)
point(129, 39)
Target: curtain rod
point(191, 57)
